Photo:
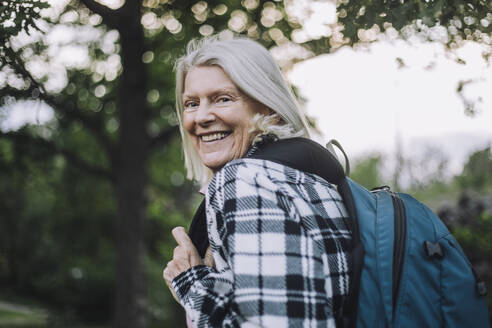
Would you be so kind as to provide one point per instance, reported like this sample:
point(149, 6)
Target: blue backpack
point(414, 273)
point(407, 269)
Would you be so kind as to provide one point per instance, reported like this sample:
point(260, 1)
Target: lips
point(214, 136)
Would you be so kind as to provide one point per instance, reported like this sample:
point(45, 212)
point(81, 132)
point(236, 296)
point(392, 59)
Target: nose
point(204, 115)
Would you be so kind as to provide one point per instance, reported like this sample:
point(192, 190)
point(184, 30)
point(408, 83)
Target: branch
point(110, 16)
point(164, 137)
point(76, 160)
point(95, 126)
point(319, 46)
point(15, 93)
point(471, 108)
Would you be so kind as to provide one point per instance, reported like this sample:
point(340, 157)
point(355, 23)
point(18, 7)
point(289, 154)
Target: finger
point(182, 259)
point(171, 271)
point(181, 237)
point(180, 253)
point(166, 274)
point(209, 258)
point(184, 240)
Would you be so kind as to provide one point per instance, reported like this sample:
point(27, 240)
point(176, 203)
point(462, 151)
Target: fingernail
point(177, 228)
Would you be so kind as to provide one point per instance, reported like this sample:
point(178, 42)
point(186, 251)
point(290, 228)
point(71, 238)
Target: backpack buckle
point(433, 250)
point(481, 288)
point(384, 188)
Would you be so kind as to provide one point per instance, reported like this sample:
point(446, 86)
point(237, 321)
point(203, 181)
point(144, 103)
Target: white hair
point(254, 71)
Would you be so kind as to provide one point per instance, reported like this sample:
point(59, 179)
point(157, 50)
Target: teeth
point(215, 136)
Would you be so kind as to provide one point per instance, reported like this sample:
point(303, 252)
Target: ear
point(267, 111)
point(271, 112)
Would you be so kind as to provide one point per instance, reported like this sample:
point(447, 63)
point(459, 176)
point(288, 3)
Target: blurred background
point(91, 168)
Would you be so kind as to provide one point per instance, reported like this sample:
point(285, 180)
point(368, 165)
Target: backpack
point(407, 269)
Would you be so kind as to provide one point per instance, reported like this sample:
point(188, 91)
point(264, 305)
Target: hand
point(185, 256)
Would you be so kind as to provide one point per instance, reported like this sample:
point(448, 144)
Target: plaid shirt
point(280, 243)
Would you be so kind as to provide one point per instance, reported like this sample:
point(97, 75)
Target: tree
point(477, 173)
point(367, 171)
point(114, 111)
point(454, 21)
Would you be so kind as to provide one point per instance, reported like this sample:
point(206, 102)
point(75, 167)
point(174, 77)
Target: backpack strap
point(198, 230)
point(329, 146)
point(356, 260)
point(304, 155)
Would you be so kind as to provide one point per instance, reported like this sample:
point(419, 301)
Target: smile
point(214, 136)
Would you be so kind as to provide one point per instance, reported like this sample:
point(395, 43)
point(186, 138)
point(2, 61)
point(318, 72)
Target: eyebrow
point(215, 92)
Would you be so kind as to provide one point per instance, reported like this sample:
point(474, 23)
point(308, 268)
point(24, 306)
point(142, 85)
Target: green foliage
point(56, 235)
point(367, 170)
point(58, 223)
point(462, 20)
point(17, 16)
point(163, 309)
point(477, 173)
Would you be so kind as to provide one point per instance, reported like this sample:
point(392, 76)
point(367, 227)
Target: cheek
point(188, 122)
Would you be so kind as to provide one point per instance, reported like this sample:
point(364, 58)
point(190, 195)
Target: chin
point(215, 165)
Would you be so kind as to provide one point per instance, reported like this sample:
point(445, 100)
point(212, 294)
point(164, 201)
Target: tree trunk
point(130, 172)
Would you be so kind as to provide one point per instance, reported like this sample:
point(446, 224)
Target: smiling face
point(217, 116)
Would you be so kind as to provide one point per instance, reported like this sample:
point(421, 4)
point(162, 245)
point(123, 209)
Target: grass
point(23, 318)
point(16, 313)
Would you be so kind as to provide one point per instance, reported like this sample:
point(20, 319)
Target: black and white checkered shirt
point(280, 243)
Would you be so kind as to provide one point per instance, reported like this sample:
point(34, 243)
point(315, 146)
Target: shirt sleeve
point(270, 271)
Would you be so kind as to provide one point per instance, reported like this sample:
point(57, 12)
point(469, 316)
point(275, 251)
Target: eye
point(221, 100)
point(190, 105)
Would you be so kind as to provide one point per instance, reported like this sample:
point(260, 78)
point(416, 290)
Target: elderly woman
point(278, 235)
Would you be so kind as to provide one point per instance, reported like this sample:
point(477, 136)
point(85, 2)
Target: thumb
point(183, 240)
point(181, 237)
point(208, 260)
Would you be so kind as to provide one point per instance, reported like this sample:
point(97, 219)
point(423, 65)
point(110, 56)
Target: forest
point(88, 198)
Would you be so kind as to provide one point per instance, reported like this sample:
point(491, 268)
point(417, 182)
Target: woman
point(278, 235)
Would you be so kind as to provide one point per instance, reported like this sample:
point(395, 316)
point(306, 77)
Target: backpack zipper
point(399, 244)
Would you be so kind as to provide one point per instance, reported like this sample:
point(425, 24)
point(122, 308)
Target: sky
point(369, 103)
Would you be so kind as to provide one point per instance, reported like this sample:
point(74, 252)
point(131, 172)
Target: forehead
point(207, 79)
